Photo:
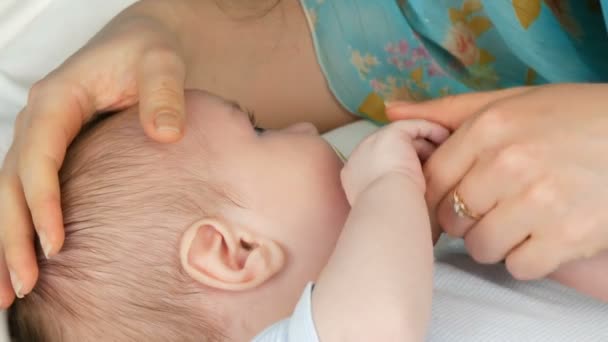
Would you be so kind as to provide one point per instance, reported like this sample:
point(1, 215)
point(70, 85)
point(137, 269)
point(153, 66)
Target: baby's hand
point(133, 60)
point(396, 148)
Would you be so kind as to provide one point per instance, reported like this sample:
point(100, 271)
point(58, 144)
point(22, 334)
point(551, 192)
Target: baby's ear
point(219, 255)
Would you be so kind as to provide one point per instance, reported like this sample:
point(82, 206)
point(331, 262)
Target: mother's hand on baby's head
point(130, 61)
point(525, 175)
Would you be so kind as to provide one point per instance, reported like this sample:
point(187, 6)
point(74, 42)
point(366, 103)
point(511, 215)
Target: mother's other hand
point(532, 163)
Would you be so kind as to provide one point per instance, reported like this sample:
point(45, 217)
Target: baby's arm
point(377, 285)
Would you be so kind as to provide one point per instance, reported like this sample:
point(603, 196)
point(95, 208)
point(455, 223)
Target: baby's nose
point(302, 128)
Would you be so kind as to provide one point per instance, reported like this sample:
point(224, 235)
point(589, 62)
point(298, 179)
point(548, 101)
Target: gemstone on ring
point(460, 208)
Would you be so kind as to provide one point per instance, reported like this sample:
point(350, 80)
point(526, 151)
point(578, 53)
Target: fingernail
point(44, 243)
point(166, 122)
point(388, 104)
point(392, 104)
point(17, 285)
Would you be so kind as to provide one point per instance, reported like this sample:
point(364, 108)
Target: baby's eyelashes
point(259, 130)
point(254, 121)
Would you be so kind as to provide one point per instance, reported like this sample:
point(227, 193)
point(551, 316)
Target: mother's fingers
point(469, 200)
point(450, 111)
point(539, 256)
point(576, 274)
point(7, 294)
point(501, 230)
point(488, 131)
point(51, 120)
point(553, 242)
point(448, 164)
point(532, 231)
point(497, 175)
point(16, 234)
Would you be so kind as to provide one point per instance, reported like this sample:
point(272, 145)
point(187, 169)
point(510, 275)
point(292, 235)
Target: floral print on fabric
point(419, 49)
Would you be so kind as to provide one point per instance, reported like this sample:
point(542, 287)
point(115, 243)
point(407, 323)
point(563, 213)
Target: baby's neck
point(251, 312)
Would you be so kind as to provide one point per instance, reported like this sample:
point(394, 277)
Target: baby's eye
point(254, 122)
point(259, 130)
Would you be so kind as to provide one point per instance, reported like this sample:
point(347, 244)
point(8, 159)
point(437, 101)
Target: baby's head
point(210, 238)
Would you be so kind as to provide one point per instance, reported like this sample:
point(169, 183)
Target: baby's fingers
point(422, 129)
point(424, 149)
point(161, 95)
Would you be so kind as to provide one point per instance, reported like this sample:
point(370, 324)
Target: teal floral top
point(419, 49)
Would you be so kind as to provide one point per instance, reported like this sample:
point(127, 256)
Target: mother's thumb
point(161, 100)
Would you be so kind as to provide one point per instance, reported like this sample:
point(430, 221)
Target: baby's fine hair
point(126, 200)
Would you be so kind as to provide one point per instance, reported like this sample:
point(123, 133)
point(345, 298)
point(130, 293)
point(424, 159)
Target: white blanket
point(38, 35)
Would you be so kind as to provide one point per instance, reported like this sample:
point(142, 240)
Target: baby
point(214, 238)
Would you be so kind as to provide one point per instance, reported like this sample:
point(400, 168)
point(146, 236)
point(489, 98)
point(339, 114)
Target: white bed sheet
point(38, 35)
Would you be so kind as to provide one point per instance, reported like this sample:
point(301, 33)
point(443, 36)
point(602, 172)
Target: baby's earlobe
point(221, 255)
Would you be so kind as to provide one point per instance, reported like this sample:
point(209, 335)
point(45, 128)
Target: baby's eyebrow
point(234, 104)
point(237, 106)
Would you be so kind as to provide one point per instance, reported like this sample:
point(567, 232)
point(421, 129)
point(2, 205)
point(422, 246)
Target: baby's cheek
point(324, 205)
point(334, 215)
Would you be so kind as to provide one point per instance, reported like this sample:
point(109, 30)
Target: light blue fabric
point(420, 49)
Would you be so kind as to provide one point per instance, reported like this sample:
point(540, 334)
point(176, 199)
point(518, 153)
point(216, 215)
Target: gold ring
point(461, 209)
